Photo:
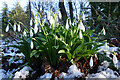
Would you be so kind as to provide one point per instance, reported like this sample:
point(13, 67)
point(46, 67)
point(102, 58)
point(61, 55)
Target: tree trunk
point(63, 12)
point(71, 11)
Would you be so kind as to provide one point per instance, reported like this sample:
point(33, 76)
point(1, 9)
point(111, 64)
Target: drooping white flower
point(14, 27)
point(31, 33)
point(72, 61)
point(24, 33)
point(83, 16)
point(35, 28)
point(48, 16)
point(31, 23)
point(19, 27)
point(70, 22)
point(105, 46)
point(52, 21)
point(104, 31)
point(7, 28)
point(91, 62)
point(60, 15)
point(80, 35)
point(96, 56)
point(115, 59)
point(31, 44)
point(81, 26)
point(67, 25)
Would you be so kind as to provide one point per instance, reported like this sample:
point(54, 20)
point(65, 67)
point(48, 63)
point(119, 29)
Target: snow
point(104, 72)
point(46, 75)
point(23, 72)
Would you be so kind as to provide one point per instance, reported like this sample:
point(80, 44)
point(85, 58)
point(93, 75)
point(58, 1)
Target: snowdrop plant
point(67, 25)
point(81, 26)
point(104, 31)
point(31, 33)
point(19, 28)
point(52, 21)
point(60, 15)
point(80, 34)
point(31, 45)
point(7, 28)
point(31, 23)
point(73, 41)
point(115, 61)
point(83, 16)
point(91, 62)
point(24, 33)
point(105, 46)
point(14, 27)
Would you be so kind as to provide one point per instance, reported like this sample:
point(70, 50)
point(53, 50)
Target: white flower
point(7, 28)
point(96, 56)
point(24, 33)
point(105, 46)
point(81, 26)
point(104, 31)
point(14, 27)
point(31, 44)
point(67, 25)
point(35, 28)
point(48, 16)
point(91, 62)
point(60, 15)
point(52, 21)
point(31, 33)
point(31, 22)
point(19, 27)
point(80, 35)
point(70, 22)
point(72, 61)
point(115, 59)
point(83, 16)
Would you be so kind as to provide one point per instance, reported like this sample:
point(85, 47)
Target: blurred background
point(98, 14)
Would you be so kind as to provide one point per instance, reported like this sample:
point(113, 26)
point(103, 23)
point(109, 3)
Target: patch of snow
point(62, 75)
point(46, 75)
point(2, 74)
point(23, 72)
point(73, 72)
